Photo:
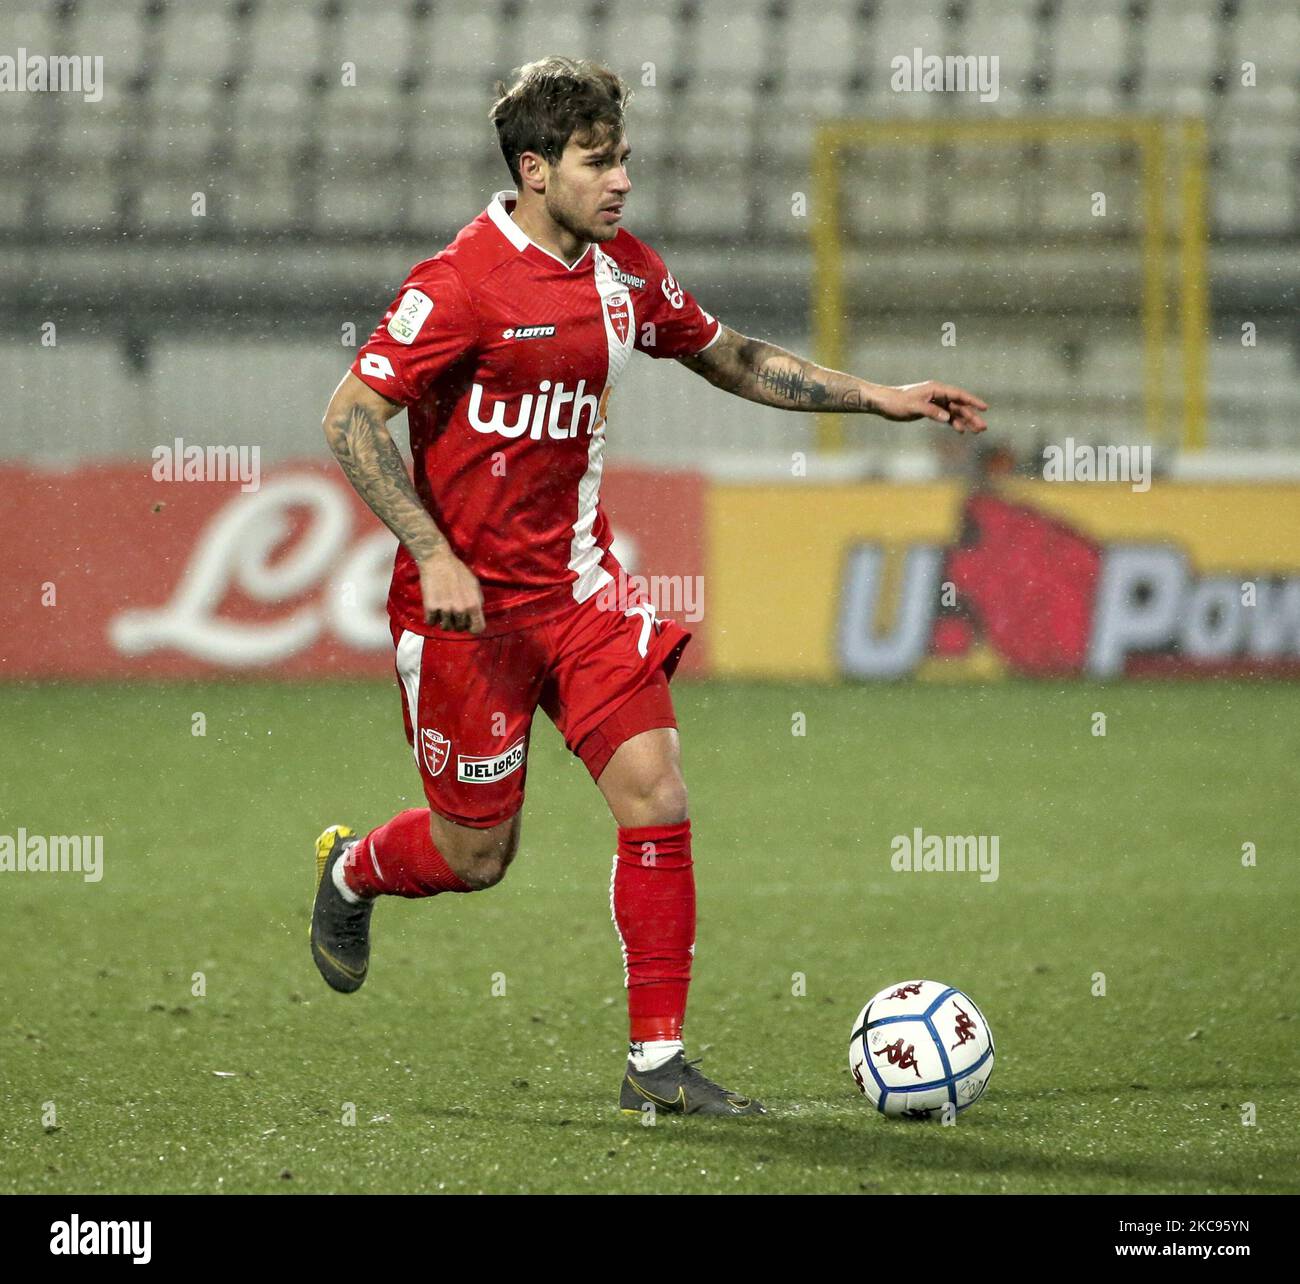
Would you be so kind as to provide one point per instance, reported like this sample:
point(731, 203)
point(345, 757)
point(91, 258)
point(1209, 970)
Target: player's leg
point(420, 853)
point(611, 701)
point(467, 707)
point(416, 854)
point(652, 887)
point(642, 782)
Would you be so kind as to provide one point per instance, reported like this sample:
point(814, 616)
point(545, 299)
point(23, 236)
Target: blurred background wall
point(335, 142)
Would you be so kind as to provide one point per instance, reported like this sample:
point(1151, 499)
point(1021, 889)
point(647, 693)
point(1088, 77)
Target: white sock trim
point(653, 1053)
point(337, 875)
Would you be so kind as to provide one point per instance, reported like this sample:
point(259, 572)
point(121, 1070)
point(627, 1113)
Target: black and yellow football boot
point(678, 1088)
point(340, 931)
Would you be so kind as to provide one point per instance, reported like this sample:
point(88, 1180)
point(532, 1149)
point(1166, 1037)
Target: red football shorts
point(600, 674)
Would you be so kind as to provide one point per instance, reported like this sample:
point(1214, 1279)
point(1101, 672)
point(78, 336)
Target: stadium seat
point(80, 203)
point(1007, 28)
point(118, 31)
point(196, 42)
point(267, 199)
point(821, 48)
point(545, 27)
point(464, 45)
point(75, 135)
point(381, 41)
point(31, 24)
point(1089, 52)
point(1267, 35)
point(283, 43)
point(1181, 59)
point(360, 127)
point(13, 207)
point(898, 27)
point(728, 47)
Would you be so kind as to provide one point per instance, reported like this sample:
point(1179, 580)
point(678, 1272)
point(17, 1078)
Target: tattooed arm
point(356, 428)
point(772, 376)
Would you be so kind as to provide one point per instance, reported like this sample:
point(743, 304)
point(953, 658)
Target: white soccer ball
point(919, 1046)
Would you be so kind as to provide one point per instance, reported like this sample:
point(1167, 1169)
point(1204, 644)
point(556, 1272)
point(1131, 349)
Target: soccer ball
point(919, 1046)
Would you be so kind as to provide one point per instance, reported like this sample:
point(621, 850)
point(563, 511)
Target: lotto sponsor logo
point(412, 312)
point(529, 332)
point(486, 771)
point(376, 366)
point(557, 412)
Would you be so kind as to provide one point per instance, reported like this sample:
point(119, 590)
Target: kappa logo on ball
point(436, 748)
point(412, 312)
point(964, 1028)
point(485, 771)
point(912, 987)
point(897, 1055)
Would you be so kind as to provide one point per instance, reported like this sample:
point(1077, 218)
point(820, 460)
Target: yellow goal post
point(1172, 157)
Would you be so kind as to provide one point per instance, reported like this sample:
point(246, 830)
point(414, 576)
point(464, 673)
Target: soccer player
point(504, 348)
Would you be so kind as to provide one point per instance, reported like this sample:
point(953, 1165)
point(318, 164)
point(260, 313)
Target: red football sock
point(652, 900)
point(400, 859)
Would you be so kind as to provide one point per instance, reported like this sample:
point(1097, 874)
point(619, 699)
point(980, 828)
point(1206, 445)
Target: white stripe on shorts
point(410, 658)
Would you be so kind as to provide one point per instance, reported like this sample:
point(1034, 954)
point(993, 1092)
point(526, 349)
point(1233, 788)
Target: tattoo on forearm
point(764, 373)
point(373, 464)
point(782, 383)
point(792, 382)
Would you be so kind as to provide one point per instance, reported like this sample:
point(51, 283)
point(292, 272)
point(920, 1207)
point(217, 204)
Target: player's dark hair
point(553, 100)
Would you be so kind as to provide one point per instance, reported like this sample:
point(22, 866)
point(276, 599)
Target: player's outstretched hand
point(452, 596)
point(942, 402)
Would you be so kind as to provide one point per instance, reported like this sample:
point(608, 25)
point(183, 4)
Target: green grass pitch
point(1119, 855)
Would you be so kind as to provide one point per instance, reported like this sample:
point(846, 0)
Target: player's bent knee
point(479, 857)
point(484, 872)
point(670, 801)
point(660, 800)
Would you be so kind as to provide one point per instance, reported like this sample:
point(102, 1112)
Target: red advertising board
point(108, 573)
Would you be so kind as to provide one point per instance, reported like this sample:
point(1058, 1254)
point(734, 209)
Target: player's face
point(585, 192)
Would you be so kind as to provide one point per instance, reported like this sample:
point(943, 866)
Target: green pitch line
point(1118, 855)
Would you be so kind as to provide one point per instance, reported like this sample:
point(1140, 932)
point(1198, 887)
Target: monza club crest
point(616, 309)
point(436, 749)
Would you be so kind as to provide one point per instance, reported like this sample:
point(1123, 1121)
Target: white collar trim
point(516, 235)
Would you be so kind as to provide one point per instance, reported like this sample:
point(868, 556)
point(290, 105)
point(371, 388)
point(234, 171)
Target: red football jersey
point(505, 358)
